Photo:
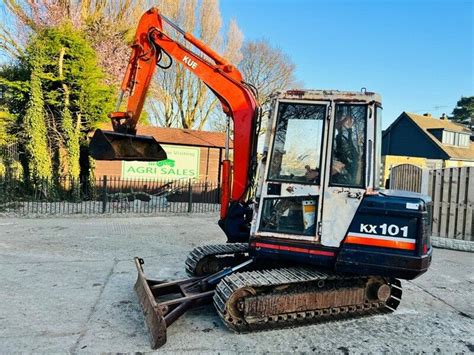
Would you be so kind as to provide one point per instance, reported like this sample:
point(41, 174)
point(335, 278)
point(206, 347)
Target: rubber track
point(206, 251)
point(277, 277)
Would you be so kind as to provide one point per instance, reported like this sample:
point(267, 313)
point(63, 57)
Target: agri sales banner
point(182, 163)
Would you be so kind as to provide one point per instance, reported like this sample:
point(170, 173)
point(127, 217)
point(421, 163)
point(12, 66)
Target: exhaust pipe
point(110, 145)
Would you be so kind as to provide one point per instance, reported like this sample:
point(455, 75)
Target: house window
point(448, 138)
point(456, 139)
point(463, 140)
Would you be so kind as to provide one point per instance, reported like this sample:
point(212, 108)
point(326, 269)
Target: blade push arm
point(221, 77)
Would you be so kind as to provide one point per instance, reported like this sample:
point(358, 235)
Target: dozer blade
point(110, 145)
point(177, 297)
point(153, 316)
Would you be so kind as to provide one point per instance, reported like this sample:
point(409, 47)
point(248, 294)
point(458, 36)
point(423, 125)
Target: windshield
point(296, 150)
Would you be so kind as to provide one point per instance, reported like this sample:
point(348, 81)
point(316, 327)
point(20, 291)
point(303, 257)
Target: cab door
point(290, 200)
point(348, 161)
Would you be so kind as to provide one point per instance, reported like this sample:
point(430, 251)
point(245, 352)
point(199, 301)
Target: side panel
point(340, 206)
point(388, 236)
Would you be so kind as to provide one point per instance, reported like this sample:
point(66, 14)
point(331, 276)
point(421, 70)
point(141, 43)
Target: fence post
point(425, 179)
point(104, 194)
point(190, 196)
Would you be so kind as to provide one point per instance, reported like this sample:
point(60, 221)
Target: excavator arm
point(224, 79)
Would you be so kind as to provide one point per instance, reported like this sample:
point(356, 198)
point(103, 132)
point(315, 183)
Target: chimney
point(427, 114)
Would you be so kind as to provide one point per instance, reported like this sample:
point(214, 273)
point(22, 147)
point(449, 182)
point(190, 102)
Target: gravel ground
point(67, 287)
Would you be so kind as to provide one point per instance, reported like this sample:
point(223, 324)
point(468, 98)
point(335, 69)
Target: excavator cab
point(319, 201)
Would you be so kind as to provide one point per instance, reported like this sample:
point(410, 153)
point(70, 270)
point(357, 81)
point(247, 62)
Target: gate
point(406, 177)
point(452, 192)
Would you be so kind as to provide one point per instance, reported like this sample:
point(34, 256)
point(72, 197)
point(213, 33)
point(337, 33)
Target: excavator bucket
point(110, 145)
point(163, 302)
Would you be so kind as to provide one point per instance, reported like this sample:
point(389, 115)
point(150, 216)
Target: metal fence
point(452, 192)
point(10, 151)
point(107, 195)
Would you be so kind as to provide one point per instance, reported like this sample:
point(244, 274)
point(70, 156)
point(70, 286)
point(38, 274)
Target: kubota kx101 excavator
point(316, 240)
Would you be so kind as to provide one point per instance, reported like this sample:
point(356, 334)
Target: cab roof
point(337, 95)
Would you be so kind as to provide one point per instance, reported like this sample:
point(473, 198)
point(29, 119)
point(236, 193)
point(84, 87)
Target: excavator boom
point(225, 81)
point(123, 143)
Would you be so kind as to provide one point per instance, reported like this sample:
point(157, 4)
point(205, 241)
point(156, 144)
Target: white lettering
point(384, 229)
point(191, 63)
point(368, 228)
point(405, 231)
point(393, 229)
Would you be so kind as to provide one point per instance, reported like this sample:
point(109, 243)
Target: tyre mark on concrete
point(40, 335)
point(458, 311)
point(94, 307)
point(84, 261)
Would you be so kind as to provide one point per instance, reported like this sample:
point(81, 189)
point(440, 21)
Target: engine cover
point(389, 235)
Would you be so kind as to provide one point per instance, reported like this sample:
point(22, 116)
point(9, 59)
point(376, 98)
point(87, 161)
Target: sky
point(418, 54)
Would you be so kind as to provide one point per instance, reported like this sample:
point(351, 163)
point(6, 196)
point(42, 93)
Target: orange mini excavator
point(310, 237)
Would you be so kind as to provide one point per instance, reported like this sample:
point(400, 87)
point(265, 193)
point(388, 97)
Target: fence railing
point(107, 195)
point(452, 192)
point(10, 151)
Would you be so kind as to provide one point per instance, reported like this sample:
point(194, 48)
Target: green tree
point(464, 111)
point(5, 137)
point(36, 144)
point(6, 121)
point(59, 82)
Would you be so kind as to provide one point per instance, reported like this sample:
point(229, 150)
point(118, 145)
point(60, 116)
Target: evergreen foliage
point(56, 92)
point(36, 144)
point(6, 121)
point(464, 111)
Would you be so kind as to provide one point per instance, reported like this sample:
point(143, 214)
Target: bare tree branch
point(182, 99)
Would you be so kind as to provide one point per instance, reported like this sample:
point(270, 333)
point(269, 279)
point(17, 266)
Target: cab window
point(349, 145)
point(294, 215)
point(297, 143)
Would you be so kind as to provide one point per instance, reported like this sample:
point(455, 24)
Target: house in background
point(427, 142)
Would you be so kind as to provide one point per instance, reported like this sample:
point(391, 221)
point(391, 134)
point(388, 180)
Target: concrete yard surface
point(67, 287)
